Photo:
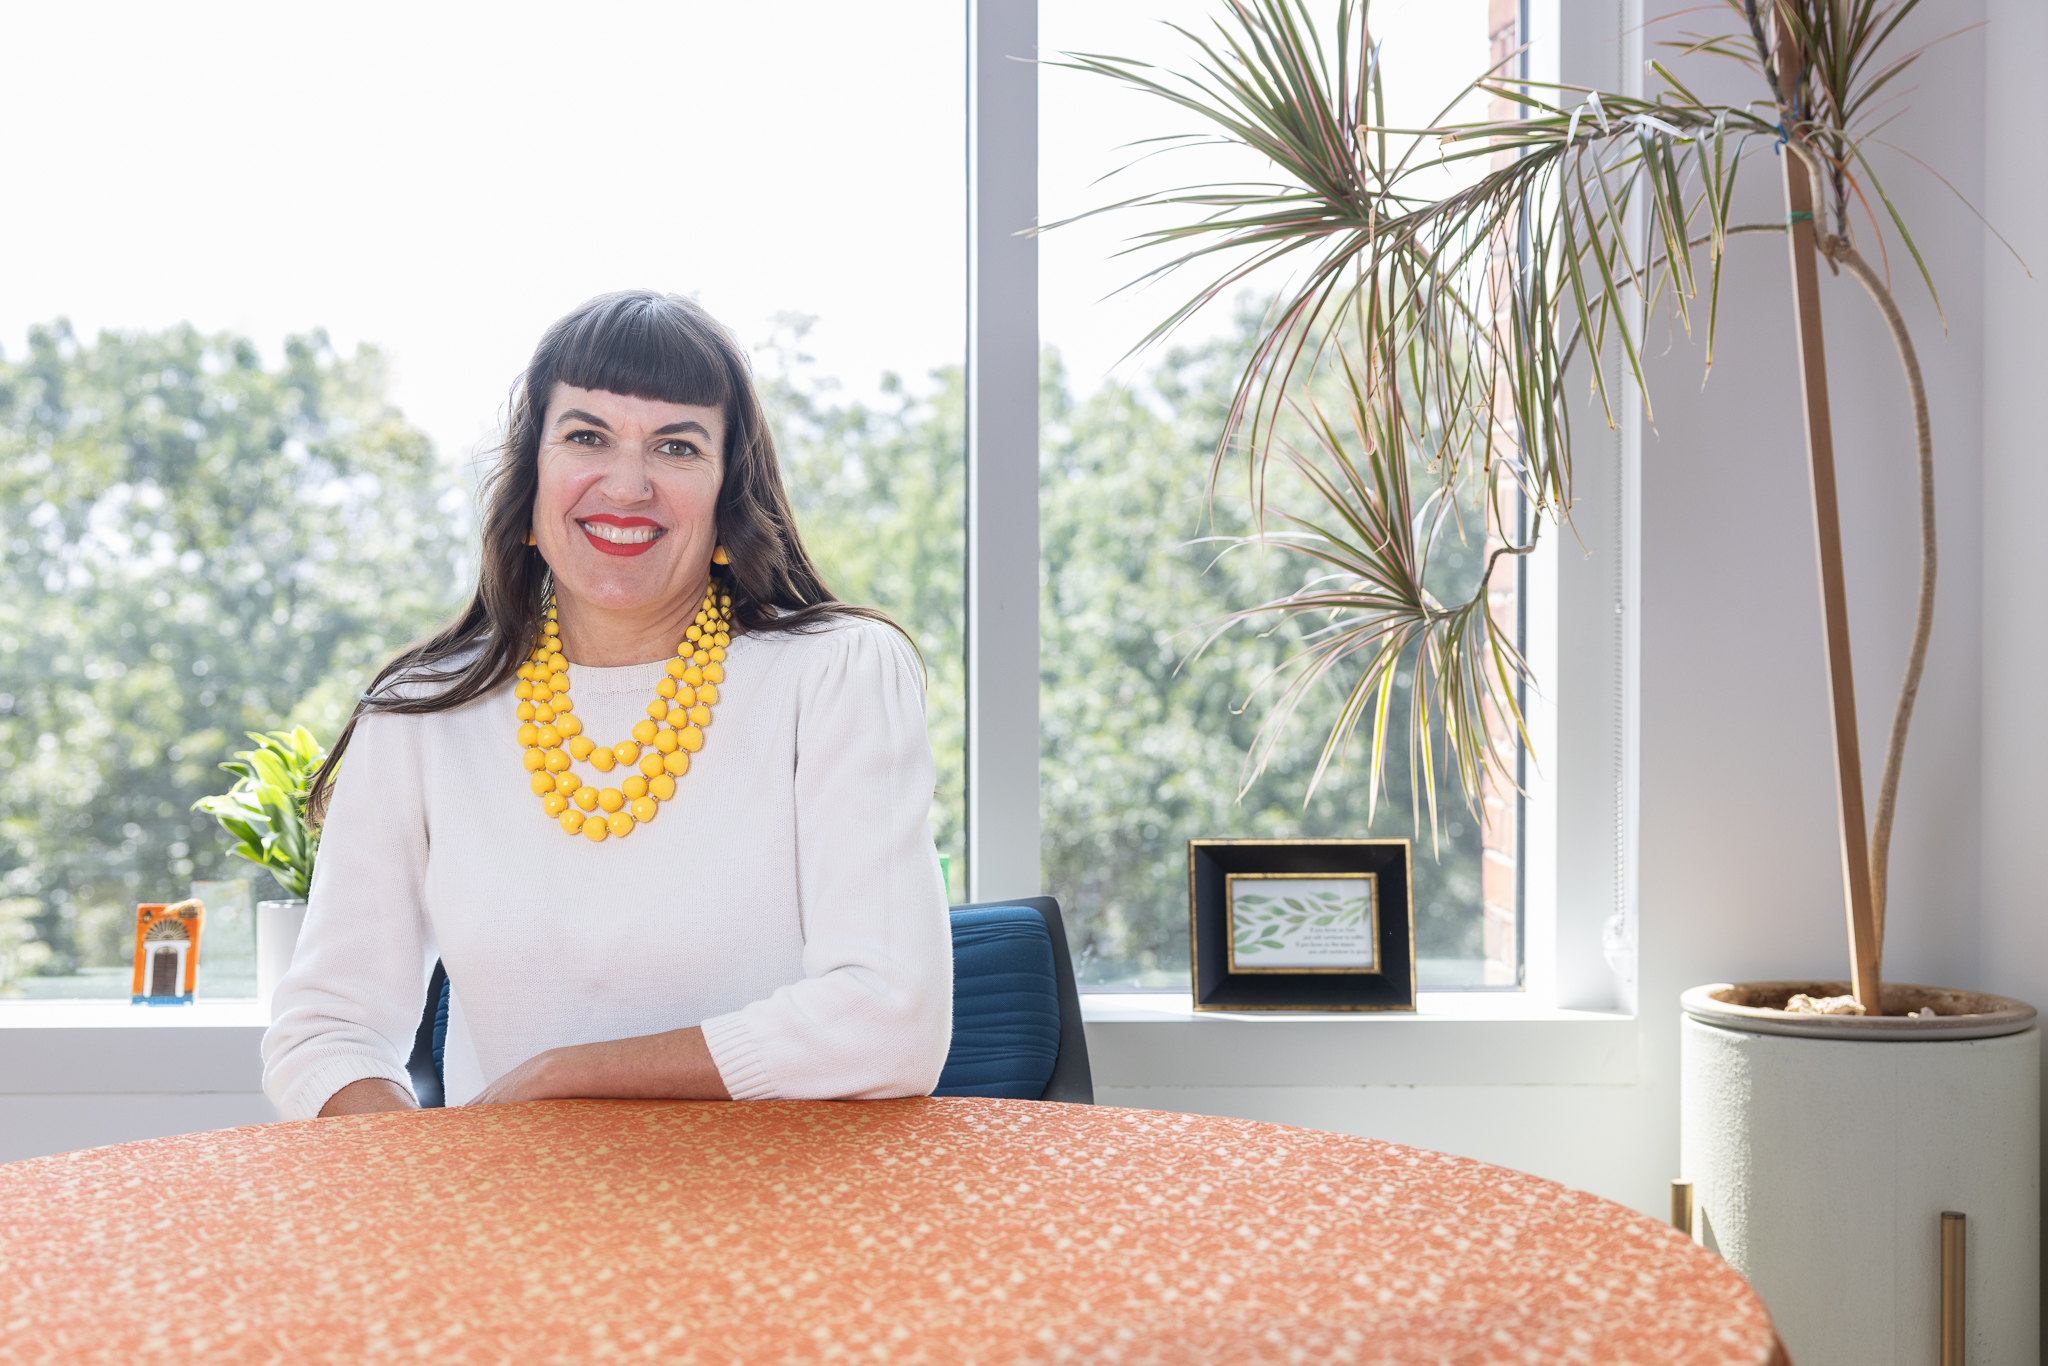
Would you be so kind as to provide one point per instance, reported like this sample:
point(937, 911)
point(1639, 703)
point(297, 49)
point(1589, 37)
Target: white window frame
point(1579, 867)
point(1002, 449)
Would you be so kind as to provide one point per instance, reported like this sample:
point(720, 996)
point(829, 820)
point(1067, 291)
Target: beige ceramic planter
point(1823, 1150)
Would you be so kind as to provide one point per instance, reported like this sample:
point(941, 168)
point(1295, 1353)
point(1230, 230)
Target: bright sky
point(1432, 49)
point(444, 180)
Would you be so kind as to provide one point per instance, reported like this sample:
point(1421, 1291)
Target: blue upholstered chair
point(1016, 1012)
point(429, 1042)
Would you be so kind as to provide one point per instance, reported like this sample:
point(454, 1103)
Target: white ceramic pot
point(277, 934)
point(1824, 1150)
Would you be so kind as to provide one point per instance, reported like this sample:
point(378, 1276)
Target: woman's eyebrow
point(672, 429)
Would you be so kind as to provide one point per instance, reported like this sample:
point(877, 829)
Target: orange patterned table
point(895, 1231)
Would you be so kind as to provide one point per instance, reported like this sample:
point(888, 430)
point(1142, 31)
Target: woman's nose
point(626, 480)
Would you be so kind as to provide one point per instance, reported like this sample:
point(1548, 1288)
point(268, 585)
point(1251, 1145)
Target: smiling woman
point(777, 926)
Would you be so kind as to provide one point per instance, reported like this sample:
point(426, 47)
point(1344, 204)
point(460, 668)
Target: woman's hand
point(676, 1065)
point(529, 1081)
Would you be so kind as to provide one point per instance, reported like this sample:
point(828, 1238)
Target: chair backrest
point(1001, 973)
point(1006, 1006)
point(428, 1042)
point(1014, 1020)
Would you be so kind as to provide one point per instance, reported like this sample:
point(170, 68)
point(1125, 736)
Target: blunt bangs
point(646, 345)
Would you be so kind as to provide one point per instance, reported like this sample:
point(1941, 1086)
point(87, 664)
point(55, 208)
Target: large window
point(1143, 742)
point(285, 269)
point(277, 272)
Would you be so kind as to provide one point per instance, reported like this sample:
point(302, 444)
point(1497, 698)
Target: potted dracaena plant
point(265, 813)
point(1442, 326)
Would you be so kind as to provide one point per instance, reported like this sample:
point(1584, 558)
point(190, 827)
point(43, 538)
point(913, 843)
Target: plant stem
point(1803, 240)
point(1839, 250)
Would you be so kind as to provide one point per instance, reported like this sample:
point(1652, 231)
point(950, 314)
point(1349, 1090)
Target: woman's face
point(624, 513)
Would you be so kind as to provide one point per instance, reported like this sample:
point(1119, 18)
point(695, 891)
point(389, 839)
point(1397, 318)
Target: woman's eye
point(677, 448)
point(585, 438)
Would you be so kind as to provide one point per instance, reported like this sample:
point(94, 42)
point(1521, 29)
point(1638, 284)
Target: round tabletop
point(900, 1231)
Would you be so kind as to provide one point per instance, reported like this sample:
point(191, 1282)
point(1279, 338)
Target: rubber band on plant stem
point(1801, 217)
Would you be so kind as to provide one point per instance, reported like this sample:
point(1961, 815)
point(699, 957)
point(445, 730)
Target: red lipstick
point(638, 543)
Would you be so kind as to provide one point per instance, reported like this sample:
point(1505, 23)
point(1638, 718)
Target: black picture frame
point(1388, 985)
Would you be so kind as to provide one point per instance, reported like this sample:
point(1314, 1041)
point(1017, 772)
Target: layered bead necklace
point(661, 746)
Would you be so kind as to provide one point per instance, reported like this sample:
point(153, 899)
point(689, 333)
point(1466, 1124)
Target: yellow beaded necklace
point(674, 729)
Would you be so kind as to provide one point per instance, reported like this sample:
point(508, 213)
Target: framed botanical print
point(1301, 924)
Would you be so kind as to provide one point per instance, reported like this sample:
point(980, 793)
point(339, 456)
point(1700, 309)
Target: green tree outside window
point(196, 546)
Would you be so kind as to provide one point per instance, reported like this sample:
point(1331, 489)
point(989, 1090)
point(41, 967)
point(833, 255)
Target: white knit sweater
point(787, 899)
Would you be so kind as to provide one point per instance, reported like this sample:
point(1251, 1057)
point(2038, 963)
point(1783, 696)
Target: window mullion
point(1002, 449)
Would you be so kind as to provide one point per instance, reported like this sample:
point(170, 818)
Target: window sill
point(1135, 1040)
point(119, 1014)
point(115, 1048)
point(1452, 1039)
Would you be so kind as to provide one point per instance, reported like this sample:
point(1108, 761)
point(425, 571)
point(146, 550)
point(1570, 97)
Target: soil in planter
point(1899, 998)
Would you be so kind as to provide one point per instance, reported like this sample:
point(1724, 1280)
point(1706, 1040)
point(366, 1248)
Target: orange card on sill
point(167, 952)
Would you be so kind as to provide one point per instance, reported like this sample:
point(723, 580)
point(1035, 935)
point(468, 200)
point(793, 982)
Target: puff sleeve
point(872, 1016)
point(348, 1007)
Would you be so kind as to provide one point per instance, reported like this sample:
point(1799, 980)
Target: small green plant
point(266, 808)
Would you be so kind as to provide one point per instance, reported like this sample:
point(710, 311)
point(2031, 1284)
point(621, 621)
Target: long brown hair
point(645, 345)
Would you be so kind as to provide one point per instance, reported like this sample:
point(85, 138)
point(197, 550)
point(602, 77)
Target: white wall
point(1740, 871)
point(83, 1074)
point(2012, 929)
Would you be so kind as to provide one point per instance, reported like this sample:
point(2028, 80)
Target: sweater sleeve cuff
point(303, 1098)
point(737, 1057)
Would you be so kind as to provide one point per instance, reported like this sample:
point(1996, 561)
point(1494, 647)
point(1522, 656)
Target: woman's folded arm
point(872, 1017)
point(674, 1065)
point(347, 1010)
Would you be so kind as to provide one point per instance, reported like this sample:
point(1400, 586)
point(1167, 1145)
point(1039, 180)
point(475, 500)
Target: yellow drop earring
point(529, 535)
point(719, 556)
